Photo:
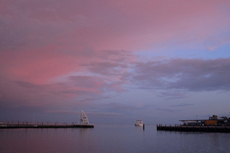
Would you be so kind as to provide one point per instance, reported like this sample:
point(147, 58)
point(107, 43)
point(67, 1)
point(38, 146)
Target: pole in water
point(143, 126)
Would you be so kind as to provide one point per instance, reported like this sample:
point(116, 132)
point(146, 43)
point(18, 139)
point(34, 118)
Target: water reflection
point(110, 139)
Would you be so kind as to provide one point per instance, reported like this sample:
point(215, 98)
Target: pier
point(84, 123)
point(213, 124)
point(222, 129)
point(7, 125)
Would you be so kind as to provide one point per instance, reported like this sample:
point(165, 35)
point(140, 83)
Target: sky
point(117, 60)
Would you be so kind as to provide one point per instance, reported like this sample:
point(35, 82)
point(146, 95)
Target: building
point(214, 120)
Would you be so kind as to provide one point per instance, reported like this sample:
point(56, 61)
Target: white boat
point(139, 122)
point(83, 118)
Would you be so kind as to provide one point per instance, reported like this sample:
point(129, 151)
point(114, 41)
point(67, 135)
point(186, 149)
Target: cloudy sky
point(117, 60)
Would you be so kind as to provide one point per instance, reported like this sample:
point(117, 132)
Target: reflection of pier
point(223, 129)
point(43, 125)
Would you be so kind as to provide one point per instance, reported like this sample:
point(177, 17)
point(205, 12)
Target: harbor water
point(111, 139)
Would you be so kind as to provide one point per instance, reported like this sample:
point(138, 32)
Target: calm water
point(110, 139)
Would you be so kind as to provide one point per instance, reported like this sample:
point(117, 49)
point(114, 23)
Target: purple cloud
point(172, 95)
point(185, 74)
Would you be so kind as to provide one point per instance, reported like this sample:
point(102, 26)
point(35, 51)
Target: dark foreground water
point(111, 139)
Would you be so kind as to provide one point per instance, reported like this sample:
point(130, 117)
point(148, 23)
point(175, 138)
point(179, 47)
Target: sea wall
point(223, 129)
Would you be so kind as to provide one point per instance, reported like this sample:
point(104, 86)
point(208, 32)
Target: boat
point(83, 118)
point(139, 122)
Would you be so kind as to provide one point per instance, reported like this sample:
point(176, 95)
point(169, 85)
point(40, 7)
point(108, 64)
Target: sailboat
point(139, 122)
point(83, 118)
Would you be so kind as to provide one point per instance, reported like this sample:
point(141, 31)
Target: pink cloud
point(129, 25)
point(89, 45)
point(76, 91)
point(36, 66)
point(32, 76)
point(148, 23)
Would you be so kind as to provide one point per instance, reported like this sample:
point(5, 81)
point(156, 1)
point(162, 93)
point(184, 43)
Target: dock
point(15, 125)
point(84, 123)
point(221, 129)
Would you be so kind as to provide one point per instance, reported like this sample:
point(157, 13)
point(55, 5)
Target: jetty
point(84, 123)
point(223, 129)
point(7, 125)
point(213, 124)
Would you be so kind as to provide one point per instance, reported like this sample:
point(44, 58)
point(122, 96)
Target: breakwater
point(5, 125)
point(223, 129)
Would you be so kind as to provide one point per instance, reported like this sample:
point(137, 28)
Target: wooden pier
point(222, 129)
point(7, 125)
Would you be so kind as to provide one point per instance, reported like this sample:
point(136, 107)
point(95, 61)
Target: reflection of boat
point(139, 122)
point(83, 118)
